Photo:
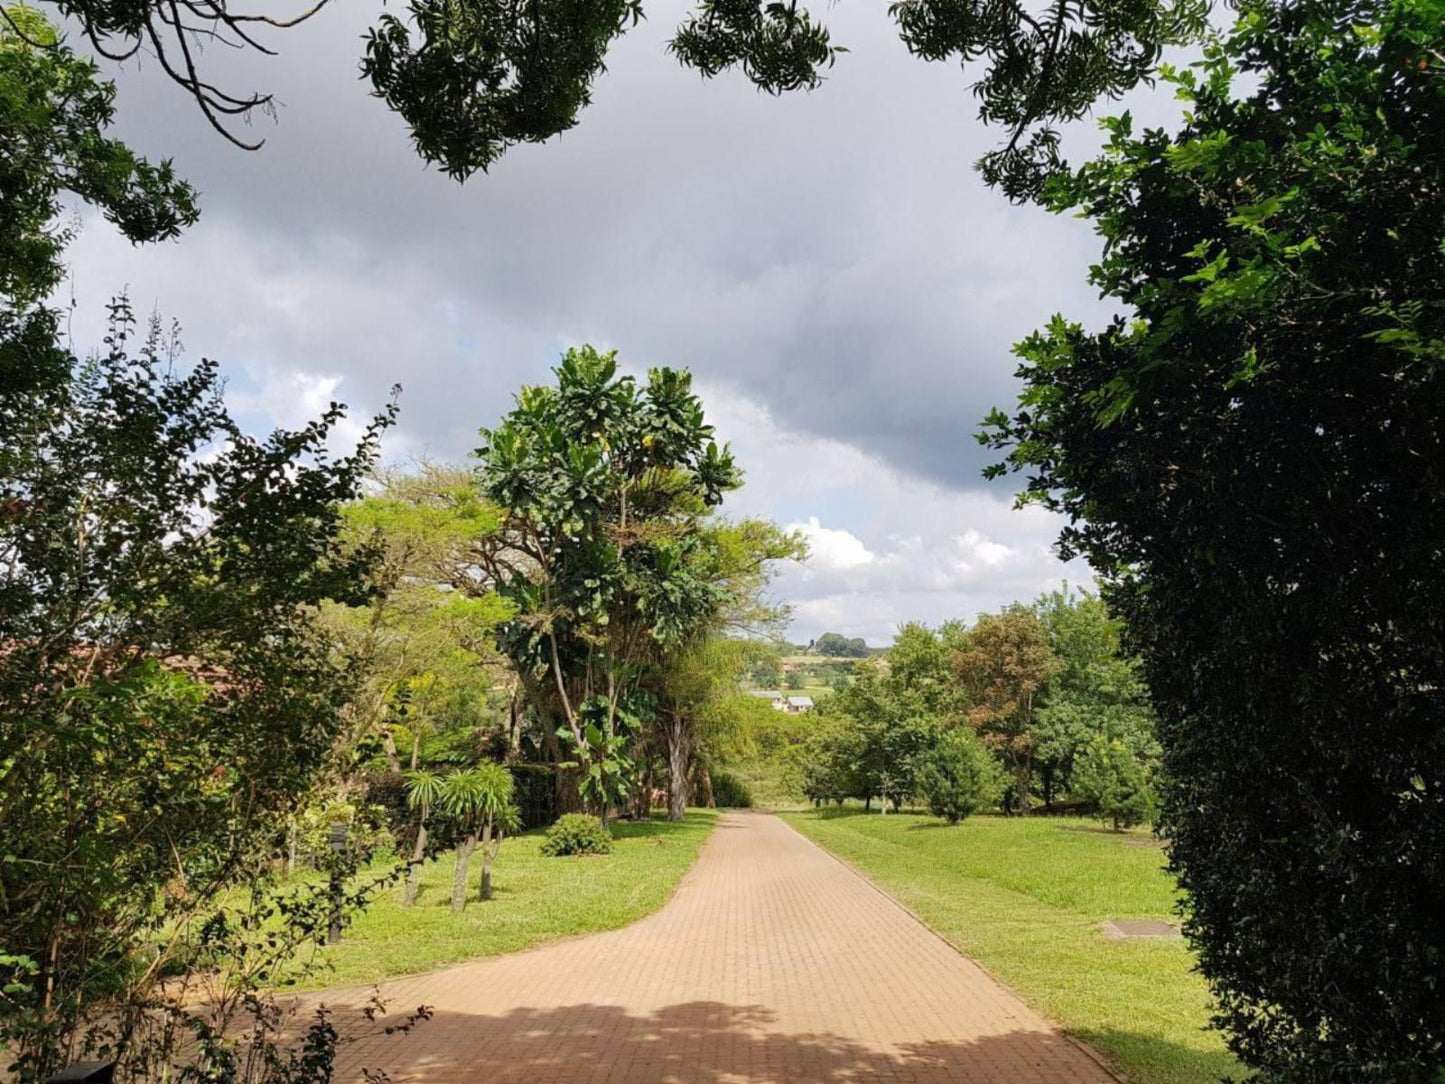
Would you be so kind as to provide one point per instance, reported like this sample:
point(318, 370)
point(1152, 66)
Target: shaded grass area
point(537, 899)
point(1025, 898)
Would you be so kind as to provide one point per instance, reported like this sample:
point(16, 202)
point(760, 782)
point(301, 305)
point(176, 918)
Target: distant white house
point(794, 705)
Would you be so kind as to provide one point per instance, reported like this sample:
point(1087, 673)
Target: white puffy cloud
point(833, 549)
point(887, 546)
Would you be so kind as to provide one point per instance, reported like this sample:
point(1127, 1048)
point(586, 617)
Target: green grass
point(537, 900)
point(1025, 899)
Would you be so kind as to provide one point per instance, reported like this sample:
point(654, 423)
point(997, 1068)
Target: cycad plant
point(480, 798)
point(423, 791)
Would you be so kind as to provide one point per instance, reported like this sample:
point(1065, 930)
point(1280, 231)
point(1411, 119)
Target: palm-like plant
point(423, 791)
point(481, 799)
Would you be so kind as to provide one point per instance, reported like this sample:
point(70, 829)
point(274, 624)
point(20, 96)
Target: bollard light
point(338, 845)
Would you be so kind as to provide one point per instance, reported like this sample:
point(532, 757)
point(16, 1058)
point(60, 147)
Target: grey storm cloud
point(831, 254)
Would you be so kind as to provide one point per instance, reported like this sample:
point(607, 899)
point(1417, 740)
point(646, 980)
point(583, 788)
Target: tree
point(887, 729)
point(1095, 690)
point(473, 81)
point(918, 660)
point(480, 799)
point(54, 111)
point(603, 486)
point(697, 688)
point(958, 777)
point(1252, 461)
point(167, 698)
point(1110, 777)
point(424, 789)
point(428, 635)
point(839, 646)
point(1003, 669)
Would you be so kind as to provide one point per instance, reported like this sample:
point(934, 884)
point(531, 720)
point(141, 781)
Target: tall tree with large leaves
point(1254, 461)
point(603, 485)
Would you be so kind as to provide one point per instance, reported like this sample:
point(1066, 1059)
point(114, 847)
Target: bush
point(577, 833)
point(1111, 778)
point(730, 792)
point(958, 777)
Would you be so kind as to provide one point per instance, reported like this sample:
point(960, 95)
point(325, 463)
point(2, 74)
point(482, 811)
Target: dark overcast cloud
point(829, 259)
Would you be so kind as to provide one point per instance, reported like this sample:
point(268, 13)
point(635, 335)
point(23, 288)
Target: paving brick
point(773, 963)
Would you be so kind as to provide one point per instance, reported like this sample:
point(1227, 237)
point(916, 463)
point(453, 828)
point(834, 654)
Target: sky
point(828, 264)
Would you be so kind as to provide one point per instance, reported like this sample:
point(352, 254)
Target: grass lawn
point(1025, 899)
point(537, 899)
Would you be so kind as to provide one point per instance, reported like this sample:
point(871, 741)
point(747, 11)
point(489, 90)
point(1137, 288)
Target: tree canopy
point(605, 486)
point(1253, 461)
point(473, 80)
point(166, 695)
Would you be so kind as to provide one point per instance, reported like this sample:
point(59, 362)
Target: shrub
point(1110, 777)
point(730, 792)
point(958, 777)
point(577, 833)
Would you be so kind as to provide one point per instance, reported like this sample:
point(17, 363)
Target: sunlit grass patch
point(1026, 898)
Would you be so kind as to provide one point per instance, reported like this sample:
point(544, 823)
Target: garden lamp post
point(338, 847)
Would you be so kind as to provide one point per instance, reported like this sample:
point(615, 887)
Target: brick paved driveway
point(773, 963)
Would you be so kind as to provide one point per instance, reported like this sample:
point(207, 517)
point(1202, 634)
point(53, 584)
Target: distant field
point(1025, 898)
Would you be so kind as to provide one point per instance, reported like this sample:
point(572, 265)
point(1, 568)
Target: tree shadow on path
point(699, 1042)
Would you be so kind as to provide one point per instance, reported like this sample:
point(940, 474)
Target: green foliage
point(730, 792)
point(475, 79)
point(545, 900)
point(1253, 463)
point(367, 837)
point(958, 777)
point(869, 740)
point(478, 795)
point(167, 698)
point(1003, 669)
point(577, 833)
point(1095, 690)
point(702, 713)
point(839, 646)
point(1110, 777)
point(54, 110)
point(602, 550)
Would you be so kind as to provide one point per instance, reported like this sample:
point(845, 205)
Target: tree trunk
point(514, 736)
point(488, 853)
point(388, 745)
point(413, 873)
point(704, 787)
point(291, 847)
point(459, 874)
point(1021, 784)
point(677, 759)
